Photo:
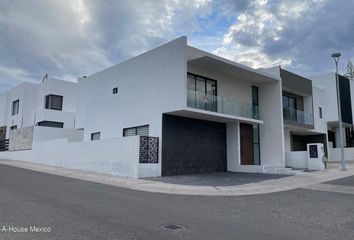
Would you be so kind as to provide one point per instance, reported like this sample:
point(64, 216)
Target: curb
point(303, 180)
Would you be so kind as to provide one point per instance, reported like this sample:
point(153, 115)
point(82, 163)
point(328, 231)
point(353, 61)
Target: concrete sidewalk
point(261, 186)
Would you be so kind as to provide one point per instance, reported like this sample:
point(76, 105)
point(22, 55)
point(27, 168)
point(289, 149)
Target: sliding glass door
point(204, 92)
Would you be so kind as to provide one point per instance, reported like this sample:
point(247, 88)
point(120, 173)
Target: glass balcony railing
point(219, 104)
point(298, 116)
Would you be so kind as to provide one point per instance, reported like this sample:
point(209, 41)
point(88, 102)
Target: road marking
point(332, 188)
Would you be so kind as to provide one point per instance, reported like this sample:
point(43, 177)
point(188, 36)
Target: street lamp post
point(336, 56)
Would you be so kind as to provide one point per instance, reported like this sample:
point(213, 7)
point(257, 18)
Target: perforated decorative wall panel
point(149, 149)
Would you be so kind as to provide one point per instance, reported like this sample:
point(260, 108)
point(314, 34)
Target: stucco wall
point(233, 146)
point(68, 118)
point(58, 87)
point(334, 154)
point(227, 86)
point(49, 133)
point(328, 83)
point(319, 101)
point(296, 159)
point(21, 139)
point(26, 94)
point(148, 85)
point(287, 140)
point(3, 108)
point(272, 129)
point(119, 156)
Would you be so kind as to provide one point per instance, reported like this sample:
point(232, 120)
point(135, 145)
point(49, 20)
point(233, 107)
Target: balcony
point(222, 105)
point(297, 116)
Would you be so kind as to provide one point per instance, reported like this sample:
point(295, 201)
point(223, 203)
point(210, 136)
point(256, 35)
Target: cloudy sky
point(70, 38)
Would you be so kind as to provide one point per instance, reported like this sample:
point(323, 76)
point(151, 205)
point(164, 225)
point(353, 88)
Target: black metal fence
point(149, 149)
point(4, 145)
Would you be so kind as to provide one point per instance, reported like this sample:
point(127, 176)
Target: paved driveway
point(217, 179)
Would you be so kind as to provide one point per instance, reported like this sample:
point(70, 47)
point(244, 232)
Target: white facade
point(155, 83)
point(240, 111)
point(141, 91)
point(31, 104)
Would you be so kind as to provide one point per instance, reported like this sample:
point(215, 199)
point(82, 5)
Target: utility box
point(315, 155)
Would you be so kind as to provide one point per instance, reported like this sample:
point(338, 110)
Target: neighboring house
point(329, 98)
point(304, 116)
point(50, 103)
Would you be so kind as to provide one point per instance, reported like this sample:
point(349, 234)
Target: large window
point(139, 130)
point(289, 108)
point(54, 102)
point(203, 90)
point(51, 124)
point(15, 107)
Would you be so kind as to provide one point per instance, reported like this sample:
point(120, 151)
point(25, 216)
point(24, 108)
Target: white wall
point(148, 85)
point(50, 133)
point(287, 139)
point(68, 118)
point(272, 130)
point(26, 94)
point(3, 108)
point(319, 100)
point(334, 154)
point(117, 156)
point(62, 88)
point(32, 101)
point(328, 83)
point(296, 159)
point(233, 146)
point(227, 86)
point(58, 87)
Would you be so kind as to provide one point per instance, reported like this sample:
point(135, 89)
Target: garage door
point(192, 146)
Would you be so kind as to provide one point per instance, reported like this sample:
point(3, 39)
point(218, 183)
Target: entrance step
point(281, 170)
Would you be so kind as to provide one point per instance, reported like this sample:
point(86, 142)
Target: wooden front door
point(246, 131)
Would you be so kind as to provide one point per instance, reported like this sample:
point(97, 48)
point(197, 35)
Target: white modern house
point(48, 104)
point(208, 113)
point(329, 99)
point(174, 110)
point(304, 114)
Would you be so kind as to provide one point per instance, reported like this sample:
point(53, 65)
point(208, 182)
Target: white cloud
point(269, 33)
point(80, 37)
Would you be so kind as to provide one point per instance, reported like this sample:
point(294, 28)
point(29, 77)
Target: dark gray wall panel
point(192, 146)
point(291, 81)
point(345, 100)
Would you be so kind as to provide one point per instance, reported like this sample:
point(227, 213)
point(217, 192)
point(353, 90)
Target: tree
point(350, 70)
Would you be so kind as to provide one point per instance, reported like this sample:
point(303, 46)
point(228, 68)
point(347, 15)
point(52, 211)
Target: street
point(64, 208)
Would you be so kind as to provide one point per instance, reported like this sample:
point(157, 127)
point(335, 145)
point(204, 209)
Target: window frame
point(95, 133)
point(205, 81)
point(136, 130)
point(46, 122)
point(15, 103)
point(48, 102)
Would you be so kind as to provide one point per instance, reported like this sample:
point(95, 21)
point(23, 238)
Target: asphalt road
point(75, 209)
